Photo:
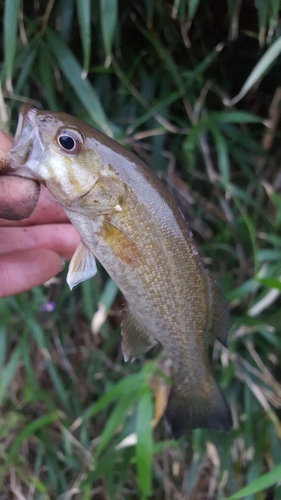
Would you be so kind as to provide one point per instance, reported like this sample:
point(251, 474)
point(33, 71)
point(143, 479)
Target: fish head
point(57, 150)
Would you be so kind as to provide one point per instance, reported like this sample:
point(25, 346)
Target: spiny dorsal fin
point(82, 266)
point(218, 316)
point(136, 338)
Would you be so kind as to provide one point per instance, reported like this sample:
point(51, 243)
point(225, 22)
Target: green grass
point(189, 87)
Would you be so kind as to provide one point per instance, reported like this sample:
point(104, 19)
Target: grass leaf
point(144, 446)
point(30, 429)
point(259, 484)
point(108, 20)
point(192, 7)
point(72, 72)
point(10, 26)
point(84, 19)
point(8, 372)
point(223, 158)
point(259, 70)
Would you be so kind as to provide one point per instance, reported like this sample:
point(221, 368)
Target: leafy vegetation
point(194, 88)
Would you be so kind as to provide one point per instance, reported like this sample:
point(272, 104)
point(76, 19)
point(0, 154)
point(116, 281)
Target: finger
point(47, 211)
point(5, 145)
point(23, 270)
point(60, 238)
point(18, 197)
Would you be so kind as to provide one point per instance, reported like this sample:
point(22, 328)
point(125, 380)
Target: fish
point(129, 221)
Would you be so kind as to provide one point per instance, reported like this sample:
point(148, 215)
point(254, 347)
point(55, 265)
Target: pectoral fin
point(82, 266)
point(120, 243)
point(136, 338)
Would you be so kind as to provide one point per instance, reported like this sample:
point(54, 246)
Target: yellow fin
point(136, 338)
point(82, 266)
point(120, 243)
point(218, 317)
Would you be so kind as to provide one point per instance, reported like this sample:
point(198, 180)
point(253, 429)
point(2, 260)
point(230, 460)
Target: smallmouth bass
point(129, 221)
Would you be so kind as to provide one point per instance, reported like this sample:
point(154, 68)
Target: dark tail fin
point(190, 409)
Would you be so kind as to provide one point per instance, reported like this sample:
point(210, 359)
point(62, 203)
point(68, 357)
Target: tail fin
point(191, 409)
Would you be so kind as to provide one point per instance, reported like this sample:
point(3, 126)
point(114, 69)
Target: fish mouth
point(27, 149)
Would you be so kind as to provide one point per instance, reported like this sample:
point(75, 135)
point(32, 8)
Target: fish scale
point(129, 221)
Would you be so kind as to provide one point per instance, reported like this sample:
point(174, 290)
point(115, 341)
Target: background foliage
point(194, 88)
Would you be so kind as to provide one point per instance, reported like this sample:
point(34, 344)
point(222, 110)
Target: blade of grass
point(66, 20)
point(8, 373)
point(149, 7)
point(262, 10)
point(223, 158)
point(252, 233)
point(192, 8)
point(130, 384)
point(259, 70)
point(47, 76)
point(25, 71)
point(273, 18)
point(10, 24)
point(272, 283)
point(233, 117)
point(117, 418)
point(38, 335)
point(3, 346)
point(84, 20)
point(108, 20)
point(259, 484)
point(233, 7)
point(29, 429)
point(144, 446)
point(72, 72)
point(165, 56)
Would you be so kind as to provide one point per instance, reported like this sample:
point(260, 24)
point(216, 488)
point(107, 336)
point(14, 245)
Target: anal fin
point(82, 266)
point(136, 338)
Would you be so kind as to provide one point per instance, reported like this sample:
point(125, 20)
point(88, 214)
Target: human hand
point(31, 250)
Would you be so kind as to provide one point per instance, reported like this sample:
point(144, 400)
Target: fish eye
point(70, 141)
